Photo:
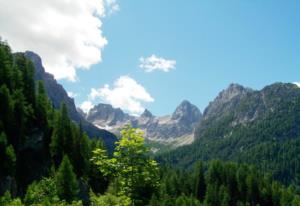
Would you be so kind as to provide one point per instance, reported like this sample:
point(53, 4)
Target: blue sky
point(214, 43)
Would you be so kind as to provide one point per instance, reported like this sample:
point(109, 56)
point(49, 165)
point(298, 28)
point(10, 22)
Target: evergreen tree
point(7, 157)
point(200, 186)
point(27, 69)
point(252, 188)
point(6, 61)
point(42, 113)
point(6, 110)
point(66, 182)
point(81, 156)
point(62, 138)
point(20, 114)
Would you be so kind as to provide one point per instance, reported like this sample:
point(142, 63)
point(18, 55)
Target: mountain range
point(260, 127)
point(175, 129)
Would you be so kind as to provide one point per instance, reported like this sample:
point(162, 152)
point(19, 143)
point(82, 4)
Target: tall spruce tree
point(200, 186)
point(62, 137)
point(66, 182)
point(7, 157)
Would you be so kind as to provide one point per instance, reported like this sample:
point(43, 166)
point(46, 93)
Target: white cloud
point(153, 63)
point(66, 33)
point(113, 6)
point(297, 83)
point(72, 94)
point(125, 93)
point(86, 106)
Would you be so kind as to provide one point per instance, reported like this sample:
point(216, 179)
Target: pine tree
point(6, 109)
point(7, 157)
point(42, 105)
point(62, 137)
point(200, 186)
point(253, 195)
point(27, 69)
point(6, 60)
point(42, 113)
point(66, 182)
point(80, 152)
point(20, 114)
point(154, 201)
point(224, 196)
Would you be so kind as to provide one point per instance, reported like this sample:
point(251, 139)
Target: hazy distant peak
point(147, 114)
point(186, 112)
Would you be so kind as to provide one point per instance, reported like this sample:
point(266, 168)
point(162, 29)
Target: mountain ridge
point(259, 127)
point(57, 94)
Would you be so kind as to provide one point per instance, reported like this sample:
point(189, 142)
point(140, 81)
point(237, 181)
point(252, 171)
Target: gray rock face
point(186, 113)
point(239, 105)
point(169, 128)
point(81, 112)
point(57, 95)
point(55, 91)
point(105, 116)
point(226, 101)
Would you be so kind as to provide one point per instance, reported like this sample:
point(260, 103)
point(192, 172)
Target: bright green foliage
point(137, 174)
point(97, 180)
point(186, 201)
point(6, 200)
point(106, 166)
point(134, 168)
point(44, 193)
point(109, 200)
point(66, 182)
point(41, 192)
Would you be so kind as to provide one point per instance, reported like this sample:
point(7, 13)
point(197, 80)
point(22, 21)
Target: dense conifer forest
point(271, 142)
point(46, 159)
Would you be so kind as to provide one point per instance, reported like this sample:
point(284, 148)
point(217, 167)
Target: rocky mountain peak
point(106, 113)
point(226, 100)
point(147, 114)
point(37, 61)
point(232, 91)
point(186, 112)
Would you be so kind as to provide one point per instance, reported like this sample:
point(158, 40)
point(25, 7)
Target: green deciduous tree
point(136, 173)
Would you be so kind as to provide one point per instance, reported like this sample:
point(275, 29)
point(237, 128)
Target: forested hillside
point(47, 159)
point(57, 94)
point(256, 127)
